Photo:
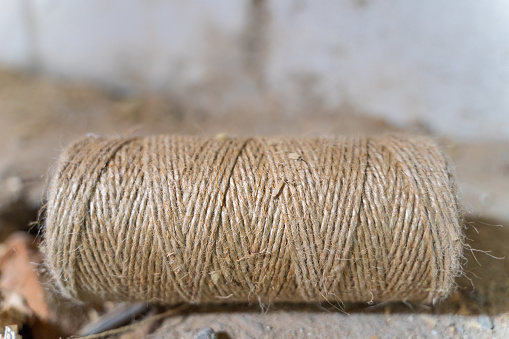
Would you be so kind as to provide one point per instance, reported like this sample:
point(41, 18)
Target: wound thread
point(175, 219)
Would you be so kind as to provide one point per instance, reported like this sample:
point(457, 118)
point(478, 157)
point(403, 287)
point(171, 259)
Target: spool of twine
point(200, 219)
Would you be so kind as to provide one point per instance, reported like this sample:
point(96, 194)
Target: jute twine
point(201, 219)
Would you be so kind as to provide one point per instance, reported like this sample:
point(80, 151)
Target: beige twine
point(194, 219)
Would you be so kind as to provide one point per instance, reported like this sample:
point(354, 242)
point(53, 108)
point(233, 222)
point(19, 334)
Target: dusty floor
point(38, 117)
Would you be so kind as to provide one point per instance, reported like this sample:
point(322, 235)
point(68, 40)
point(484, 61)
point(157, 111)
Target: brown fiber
point(200, 219)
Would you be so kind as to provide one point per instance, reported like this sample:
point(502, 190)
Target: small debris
point(120, 315)
point(10, 332)
point(19, 273)
point(206, 333)
point(13, 311)
point(473, 324)
point(23, 299)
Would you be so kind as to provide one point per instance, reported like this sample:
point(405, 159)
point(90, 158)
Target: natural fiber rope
point(188, 219)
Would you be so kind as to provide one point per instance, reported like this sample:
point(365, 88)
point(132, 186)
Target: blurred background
point(260, 67)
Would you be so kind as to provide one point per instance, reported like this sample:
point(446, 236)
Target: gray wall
point(443, 64)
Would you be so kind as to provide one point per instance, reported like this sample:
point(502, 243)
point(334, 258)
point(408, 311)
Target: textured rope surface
point(187, 219)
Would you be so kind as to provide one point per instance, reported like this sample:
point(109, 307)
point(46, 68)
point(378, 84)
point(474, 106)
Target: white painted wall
point(441, 63)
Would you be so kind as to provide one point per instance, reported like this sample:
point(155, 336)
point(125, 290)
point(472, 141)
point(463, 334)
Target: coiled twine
point(212, 219)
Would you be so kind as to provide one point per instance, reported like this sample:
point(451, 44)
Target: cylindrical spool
point(193, 219)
